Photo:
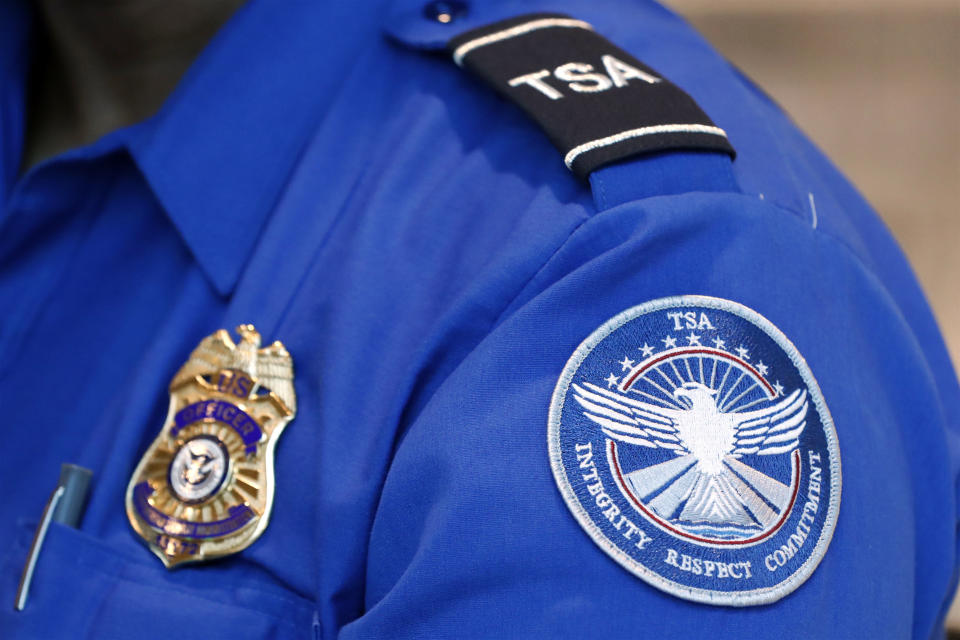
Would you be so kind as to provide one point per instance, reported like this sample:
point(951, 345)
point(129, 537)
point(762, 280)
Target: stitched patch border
point(717, 492)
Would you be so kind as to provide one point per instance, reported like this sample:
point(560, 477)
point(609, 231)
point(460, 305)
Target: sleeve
point(476, 536)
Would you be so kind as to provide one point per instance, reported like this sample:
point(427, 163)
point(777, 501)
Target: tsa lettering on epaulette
point(595, 102)
point(204, 488)
point(689, 438)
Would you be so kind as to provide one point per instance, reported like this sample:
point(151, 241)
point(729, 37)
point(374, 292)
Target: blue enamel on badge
point(691, 441)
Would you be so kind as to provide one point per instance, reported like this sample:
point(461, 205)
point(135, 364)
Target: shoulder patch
point(595, 102)
point(691, 441)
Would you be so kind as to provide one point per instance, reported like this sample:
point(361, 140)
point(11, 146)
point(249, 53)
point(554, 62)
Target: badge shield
point(204, 487)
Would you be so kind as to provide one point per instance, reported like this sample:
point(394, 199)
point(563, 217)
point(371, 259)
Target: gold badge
point(204, 488)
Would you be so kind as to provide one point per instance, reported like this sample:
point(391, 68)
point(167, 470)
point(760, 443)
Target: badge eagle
point(204, 488)
point(707, 477)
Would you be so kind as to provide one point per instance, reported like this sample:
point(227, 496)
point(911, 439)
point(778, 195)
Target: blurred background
point(876, 84)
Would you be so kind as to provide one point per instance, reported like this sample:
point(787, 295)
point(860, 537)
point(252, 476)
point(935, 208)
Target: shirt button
point(445, 11)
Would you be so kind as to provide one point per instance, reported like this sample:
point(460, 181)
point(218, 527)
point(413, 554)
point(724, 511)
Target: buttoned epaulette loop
point(596, 103)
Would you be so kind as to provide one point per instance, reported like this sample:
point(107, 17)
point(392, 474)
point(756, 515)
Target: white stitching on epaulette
point(813, 209)
point(636, 133)
point(518, 30)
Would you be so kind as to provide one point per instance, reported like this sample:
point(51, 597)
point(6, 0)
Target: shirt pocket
point(83, 588)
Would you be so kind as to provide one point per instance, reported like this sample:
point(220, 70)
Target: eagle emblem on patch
point(204, 488)
point(691, 441)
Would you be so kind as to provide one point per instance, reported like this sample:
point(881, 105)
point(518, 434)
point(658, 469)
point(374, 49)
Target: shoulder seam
point(539, 270)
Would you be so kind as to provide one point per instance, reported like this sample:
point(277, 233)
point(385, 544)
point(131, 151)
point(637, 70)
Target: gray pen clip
point(65, 505)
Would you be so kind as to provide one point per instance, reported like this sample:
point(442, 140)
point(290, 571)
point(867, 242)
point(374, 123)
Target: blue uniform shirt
point(325, 172)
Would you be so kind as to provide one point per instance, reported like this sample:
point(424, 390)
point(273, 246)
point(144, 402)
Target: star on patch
point(694, 340)
point(743, 353)
point(762, 368)
point(719, 344)
point(626, 364)
point(778, 388)
point(612, 381)
point(670, 342)
point(647, 351)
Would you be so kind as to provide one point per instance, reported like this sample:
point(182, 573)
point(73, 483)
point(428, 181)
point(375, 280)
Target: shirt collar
point(220, 150)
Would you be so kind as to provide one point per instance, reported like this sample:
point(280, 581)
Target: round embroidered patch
point(691, 441)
